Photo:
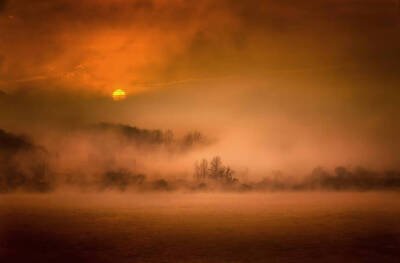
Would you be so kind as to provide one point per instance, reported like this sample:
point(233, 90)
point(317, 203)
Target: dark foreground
point(275, 227)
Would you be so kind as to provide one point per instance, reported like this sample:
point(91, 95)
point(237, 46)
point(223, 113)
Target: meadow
point(200, 227)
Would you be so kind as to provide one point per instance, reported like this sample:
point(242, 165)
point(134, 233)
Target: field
point(179, 227)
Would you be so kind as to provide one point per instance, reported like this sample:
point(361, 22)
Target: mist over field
point(119, 157)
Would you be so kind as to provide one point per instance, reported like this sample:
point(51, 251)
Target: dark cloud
point(156, 40)
point(3, 4)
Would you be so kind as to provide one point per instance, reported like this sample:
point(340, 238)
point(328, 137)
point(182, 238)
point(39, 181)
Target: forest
point(26, 166)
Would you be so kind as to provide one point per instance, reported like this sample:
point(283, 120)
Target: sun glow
point(118, 94)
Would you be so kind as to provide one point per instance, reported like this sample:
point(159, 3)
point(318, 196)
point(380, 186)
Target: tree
point(168, 137)
point(215, 168)
point(215, 171)
point(228, 174)
point(201, 170)
point(197, 175)
point(192, 139)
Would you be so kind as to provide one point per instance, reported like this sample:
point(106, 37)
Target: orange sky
point(302, 81)
point(143, 44)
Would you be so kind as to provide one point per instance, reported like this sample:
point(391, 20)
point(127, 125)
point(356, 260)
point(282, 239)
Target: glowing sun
point(118, 94)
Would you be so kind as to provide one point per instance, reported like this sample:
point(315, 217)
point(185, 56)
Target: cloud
point(294, 75)
point(101, 44)
point(3, 4)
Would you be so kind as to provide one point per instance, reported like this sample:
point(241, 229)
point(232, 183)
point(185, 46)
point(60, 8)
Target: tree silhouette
point(215, 168)
point(215, 171)
point(201, 170)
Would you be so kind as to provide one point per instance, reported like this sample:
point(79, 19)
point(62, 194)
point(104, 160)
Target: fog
point(246, 131)
point(106, 156)
point(270, 87)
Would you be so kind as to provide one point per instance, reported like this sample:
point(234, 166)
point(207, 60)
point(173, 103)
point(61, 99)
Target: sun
point(118, 94)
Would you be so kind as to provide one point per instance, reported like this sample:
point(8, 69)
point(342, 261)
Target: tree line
point(24, 166)
point(152, 137)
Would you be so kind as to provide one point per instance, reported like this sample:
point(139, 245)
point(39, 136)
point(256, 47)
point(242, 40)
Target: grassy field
point(177, 227)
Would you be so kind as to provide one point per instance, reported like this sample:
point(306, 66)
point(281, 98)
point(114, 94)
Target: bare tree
point(192, 138)
point(215, 171)
point(201, 170)
point(228, 174)
point(168, 137)
point(215, 168)
point(197, 175)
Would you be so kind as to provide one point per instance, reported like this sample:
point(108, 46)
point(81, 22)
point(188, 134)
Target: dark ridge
point(340, 179)
point(31, 174)
point(152, 136)
point(11, 143)
point(131, 132)
point(3, 95)
point(3, 4)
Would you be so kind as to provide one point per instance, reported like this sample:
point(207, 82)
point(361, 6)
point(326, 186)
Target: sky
point(279, 83)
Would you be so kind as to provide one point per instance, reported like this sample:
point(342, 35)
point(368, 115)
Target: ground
point(178, 227)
